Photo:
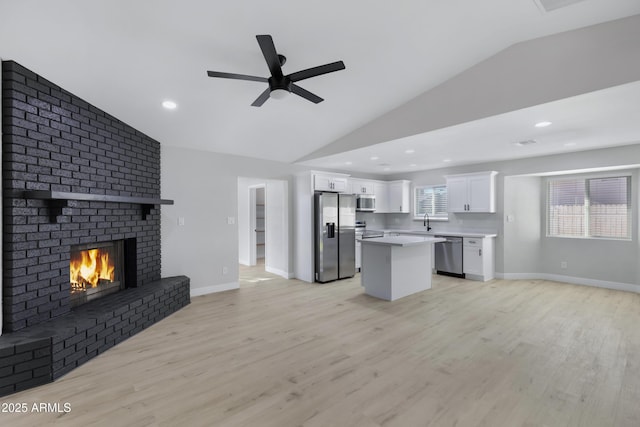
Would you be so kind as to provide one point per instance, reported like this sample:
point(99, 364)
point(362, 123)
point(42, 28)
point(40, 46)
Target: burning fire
point(90, 267)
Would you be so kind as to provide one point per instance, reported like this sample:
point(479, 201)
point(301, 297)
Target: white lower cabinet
point(478, 258)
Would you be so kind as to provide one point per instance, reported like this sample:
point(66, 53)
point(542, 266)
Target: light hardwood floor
point(285, 353)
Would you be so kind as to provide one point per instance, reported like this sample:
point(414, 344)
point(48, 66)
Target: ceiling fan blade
point(270, 55)
point(316, 71)
point(305, 94)
point(236, 76)
point(262, 98)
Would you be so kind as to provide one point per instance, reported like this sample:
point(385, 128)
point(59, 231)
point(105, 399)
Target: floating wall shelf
point(58, 200)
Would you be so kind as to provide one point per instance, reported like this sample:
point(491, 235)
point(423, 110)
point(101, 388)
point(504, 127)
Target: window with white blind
point(589, 207)
point(431, 200)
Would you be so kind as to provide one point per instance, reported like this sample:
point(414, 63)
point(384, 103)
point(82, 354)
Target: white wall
point(601, 262)
point(523, 201)
point(204, 187)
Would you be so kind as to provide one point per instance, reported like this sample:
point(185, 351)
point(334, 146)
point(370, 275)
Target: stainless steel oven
point(365, 202)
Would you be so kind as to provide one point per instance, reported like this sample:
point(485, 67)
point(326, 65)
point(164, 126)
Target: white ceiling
point(604, 118)
point(126, 57)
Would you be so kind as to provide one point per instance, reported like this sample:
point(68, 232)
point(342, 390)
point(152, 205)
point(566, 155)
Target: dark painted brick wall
point(53, 140)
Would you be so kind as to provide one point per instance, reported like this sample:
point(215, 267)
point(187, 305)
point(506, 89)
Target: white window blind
point(431, 200)
point(591, 207)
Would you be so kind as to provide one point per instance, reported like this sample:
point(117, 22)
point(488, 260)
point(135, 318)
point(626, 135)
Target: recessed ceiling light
point(348, 163)
point(410, 151)
point(446, 160)
point(413, 165)
point(542, 124)
point(374, 157)
point(387, 169)
point(169, 105)
point(570, 144)
point(525, 142)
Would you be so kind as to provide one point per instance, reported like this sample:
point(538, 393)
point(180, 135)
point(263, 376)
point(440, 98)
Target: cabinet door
point(322, 183)
point(481, 194)
point(329, 183)
point(382, 197)
point(457, 195)
point(399, 197)
point(367, 187)
point(472, 257)
point(356, 185)
point(339, 185)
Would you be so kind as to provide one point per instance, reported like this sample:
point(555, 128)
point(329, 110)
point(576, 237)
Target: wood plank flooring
point(285, 353)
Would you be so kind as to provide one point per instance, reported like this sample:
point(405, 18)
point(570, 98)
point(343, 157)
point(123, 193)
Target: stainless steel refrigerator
point(335, 236)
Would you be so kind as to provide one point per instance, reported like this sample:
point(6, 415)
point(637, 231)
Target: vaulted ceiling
point(127, 57)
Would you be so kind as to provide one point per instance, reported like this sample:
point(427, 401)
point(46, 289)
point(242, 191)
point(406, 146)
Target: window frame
point(421, 216)
point(587, 204)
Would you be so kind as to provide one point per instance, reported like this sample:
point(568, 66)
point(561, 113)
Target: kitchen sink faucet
point(425, 220)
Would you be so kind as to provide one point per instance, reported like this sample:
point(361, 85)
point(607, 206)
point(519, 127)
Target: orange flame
point(90, 267)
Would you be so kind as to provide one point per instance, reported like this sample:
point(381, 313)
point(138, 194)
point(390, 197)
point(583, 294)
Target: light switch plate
point(231, 220)
point(181, 220)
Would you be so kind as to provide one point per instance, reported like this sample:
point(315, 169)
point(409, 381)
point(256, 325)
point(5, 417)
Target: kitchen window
point(589, 207)
point(432, 200)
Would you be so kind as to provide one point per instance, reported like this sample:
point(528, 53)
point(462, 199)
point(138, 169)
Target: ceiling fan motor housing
point(284, 83)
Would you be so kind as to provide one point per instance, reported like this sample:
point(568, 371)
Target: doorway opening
point(263, 226)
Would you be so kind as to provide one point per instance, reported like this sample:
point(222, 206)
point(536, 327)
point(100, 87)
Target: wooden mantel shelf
point(58, 200)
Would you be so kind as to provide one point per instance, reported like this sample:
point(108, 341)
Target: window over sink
point(432, 200)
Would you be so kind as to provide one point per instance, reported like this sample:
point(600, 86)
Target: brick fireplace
point(73, 177)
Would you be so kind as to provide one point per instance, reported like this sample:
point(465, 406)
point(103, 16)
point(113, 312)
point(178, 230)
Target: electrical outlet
point(225, 270)
point(563, 264)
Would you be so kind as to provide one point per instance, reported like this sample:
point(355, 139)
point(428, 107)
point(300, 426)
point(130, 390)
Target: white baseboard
point(195, 292)
point(243, 261)
point(281, 273)
point(618, 286)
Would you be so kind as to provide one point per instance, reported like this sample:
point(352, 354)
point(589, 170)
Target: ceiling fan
point(280, 84)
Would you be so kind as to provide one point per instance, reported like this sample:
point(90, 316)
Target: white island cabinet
point(396, 266)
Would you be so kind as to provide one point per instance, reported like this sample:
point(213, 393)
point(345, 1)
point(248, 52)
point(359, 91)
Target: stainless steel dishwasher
point(449, 256)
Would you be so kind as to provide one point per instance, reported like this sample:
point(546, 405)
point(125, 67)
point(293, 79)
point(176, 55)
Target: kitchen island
point(396, 266)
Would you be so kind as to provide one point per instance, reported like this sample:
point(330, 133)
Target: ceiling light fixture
point(543, 124)
point(570, 144)
point(525, 142)
point(387, 169)
point(348, 163)
point(374, 157)
point(446, 160)
point(169, 105)
point(279, 94)
point(413, 165)
point(410, 151)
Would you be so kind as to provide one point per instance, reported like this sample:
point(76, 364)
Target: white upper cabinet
point(326, 182)
point(382, 197)
point(399, 196)
point(472, 192)
point(361, 186)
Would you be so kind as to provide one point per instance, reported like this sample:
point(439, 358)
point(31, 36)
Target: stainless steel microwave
point(365, 202)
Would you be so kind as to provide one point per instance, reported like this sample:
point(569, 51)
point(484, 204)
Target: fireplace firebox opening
point(100, 269)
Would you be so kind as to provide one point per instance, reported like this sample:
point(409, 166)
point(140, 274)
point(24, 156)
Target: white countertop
point(402, 240)
point(477, 234)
